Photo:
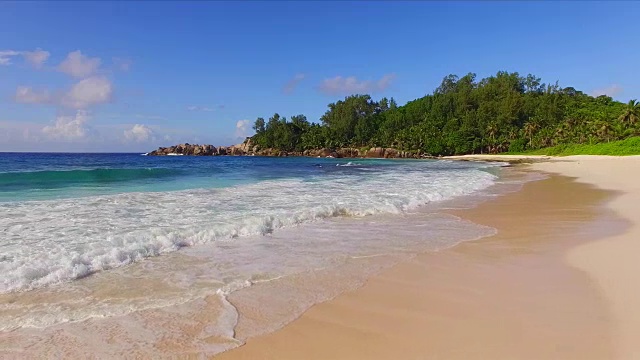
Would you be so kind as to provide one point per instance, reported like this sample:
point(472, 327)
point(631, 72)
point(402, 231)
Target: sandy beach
point(319, 180)
point(556, 282)
point(612, 262)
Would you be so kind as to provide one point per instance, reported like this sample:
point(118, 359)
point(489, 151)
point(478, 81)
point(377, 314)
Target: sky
point(132, 76)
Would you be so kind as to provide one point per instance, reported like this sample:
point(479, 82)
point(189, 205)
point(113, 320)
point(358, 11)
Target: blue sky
point(131, 76)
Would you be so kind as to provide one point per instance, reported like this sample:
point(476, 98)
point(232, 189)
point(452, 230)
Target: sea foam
point(50, 242)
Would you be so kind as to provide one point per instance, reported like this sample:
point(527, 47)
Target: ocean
point(99, 236)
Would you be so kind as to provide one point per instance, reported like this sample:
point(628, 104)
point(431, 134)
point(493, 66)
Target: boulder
point(234, 150)
point(246, 146)
point(376, 152)
point(209, 150)
point(347, 152)
point(391, 153)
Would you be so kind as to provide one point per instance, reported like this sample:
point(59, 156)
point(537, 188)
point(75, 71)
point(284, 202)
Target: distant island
point(502, 113)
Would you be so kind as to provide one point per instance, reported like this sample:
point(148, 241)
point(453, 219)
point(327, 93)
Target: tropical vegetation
point(629, 146)
point(506, 112)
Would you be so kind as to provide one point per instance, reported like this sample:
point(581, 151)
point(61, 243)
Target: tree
point(258, 126)
point(448, 84)
point(603, 130)
point(300, 123)
point(344, 115)
point(631, 113)
point(463, 115)
point(532, 84)
point(383, 104)
point(392, 104)
point(530, 129)
point(492, 130)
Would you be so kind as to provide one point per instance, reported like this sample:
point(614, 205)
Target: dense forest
point(505, 112)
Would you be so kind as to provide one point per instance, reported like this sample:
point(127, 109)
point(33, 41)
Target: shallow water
point(292, 226)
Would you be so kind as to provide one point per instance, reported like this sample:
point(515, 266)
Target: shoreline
point(472, 294)
point(611, 262)
point(358, 324)
point(161, 323)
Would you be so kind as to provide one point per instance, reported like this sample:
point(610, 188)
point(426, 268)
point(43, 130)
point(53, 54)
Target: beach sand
point(558, 281)
point(613, 261)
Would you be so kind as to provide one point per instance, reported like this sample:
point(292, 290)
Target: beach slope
point(558, 281)
point(612, 262)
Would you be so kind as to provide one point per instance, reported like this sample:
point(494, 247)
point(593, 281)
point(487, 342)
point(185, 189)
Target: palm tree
point(560, 135)
point(631, 113)
point(492, 130)
point(529, 129)
point(546, 137)
point(513, 133)
point(603, 130)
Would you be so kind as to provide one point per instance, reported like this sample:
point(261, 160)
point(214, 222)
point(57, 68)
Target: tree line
point(500, 113)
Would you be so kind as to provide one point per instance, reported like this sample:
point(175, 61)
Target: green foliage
point(518, 145)
point(504, 112)
point(278, 133)
point(630, 146)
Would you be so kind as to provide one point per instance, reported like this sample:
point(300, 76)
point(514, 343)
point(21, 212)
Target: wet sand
point(556, 282)
point(509, 296)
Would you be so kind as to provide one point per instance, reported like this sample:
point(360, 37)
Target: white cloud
point(79, 133)
point(36, 58)
point(6, 55)
point(351, 85)
point(291, 85)
point(91, 91)
point(68, 127)
point(85, 93)
point(242, 128)
point(78, 65)
point(611, 90)
point(27, 95)
point(139, 133)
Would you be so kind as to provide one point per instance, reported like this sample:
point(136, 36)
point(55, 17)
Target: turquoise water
point(105, 236)
point(41, 176)
point(67, 216)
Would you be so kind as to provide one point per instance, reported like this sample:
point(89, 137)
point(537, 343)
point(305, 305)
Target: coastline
point(527, 292)
point(176, 304)
point(517, 294)
point(611, 262)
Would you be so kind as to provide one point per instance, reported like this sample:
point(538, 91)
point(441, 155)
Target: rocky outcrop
point(324, 152)
point(186, 149)
point(376, 152)
point(247, 147)
point(348, 153)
